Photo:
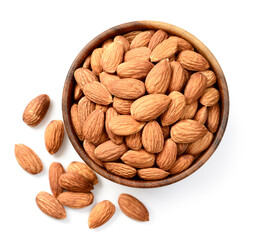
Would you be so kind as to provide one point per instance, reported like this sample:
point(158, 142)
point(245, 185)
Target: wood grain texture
point(67, 99)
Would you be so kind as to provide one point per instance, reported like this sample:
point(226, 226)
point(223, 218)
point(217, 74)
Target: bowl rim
point(67, 100)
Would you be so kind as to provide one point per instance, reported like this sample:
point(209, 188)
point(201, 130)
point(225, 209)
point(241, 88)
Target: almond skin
point(83, 76)
point(75, 182)
point(182, 44)
point(158, 79)
point(103, 138)
point(178, 78)
point(195, 87)
point(138, 159)
point(124, 125)
point(134, 69)
point(192, 61)
point(134, 141)
point(131, 35)
point(211, 77)
point(125, 43)
point(149, 107)
point(132, 207)
point(141, 53)
point(96, 60)
point(210, 97)
point(152, 173)
point(181, 164)
point(97, 93)
point(141, 40)
point(157, 38)
point(213, 118)
point(202, 115)
point(55, 171)
point(75, 199)
point(75, 121)
point(107, 43)
point(181, 148)
point(50, 205)
point(86, 63)
point(93, 126)
point(189, 111)
point(78, 94)
point(121, 169)
point(187, 131)
point(89, 149)
point(84, 170)
point(112, 57)
point(36, 110)
point(28, 159)
point(101, 213)
point(85, 107)
point(107, 79)
point(167, 157)
point(103, 108)
point(54, 134)
point(200, 145)
point(109, 151)
point(175, 109)
point(122, 106)
point(152, 137)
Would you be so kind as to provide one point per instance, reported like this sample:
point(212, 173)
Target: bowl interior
point(67, 100)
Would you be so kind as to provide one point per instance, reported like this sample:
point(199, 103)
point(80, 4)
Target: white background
point(40, 39)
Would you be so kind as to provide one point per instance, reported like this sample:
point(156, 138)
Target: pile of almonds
point(146, 105)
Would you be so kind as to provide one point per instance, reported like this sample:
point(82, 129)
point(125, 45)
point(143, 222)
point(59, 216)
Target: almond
point(107, 79)
point(152, 137)
point(93, 126)
point(141, 53)
point(54, 134)
point(149, 107)
point(131, 35)
point(103, 108)
point(96, 60)
point(195, 87)
point(175, 109)
point(152, 173)
point(187, 131)
point(167, 157)
point(182, 44)
point(75, 121)
point(157, 38)
point(89, 149)
point(107, 43)
point(134, 69)
point(158, 79)
point(97, 93)
point(202, 115)
point(121, 169)
point(78, 94)
point(213, 118)
point(55, 171)
point(189, 111)
point(127, 88)
point(103, 138)
point(101, 213)
point(84, 170)
point(76, 199)
point(124, 125)
point(141, 40)
point(109, 151)
point(200, 145)
point(134, 141)
point(75, 182)
point(111, 112)
point(192, 61)
point(210, 97)
point(27, 159)
point(36, 110)
point(50, 205)
point(181, 148)
point(181, 164)
point(83, 76)
point(132, 207)
point(178, 78)
point(112, 57)
point(138, 159)
point(166, 132)
point(122, 106)
point(125, 43)
point(86, 63)
point(165, 49)
point(211, 77)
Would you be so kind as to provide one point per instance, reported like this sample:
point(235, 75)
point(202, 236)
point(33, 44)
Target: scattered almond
point(55, 171)
point(76, 199)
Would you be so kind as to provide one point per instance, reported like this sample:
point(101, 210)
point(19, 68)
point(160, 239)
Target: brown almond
point(166, 132)
point(182, 44)
point(83, 76)
point(103, 138)
point(213, 118)
point(124, 125)
point(75, 182)
point(76, 199)
point(75, 121)
point(36, 110)
point(78, 94)
point(132, 207)
point(103, 108)
point(141, 53)
point(28, 159)
point(97, 93)
point(152, 173)
point(134, 141)
point(192, 61)
point(157, 38)
point(109, 151)
point(181, 148)
point(55, 171)
point(96, 60)
point(122, 106)
point(141, 40)
point(89, 149)
point(189, 111)
point(101, 213)
point(167, 157)
point(181, 164)
point(202, 115)
point(107, 43)
point(131, 35)
point(138, 159)
point(125, 43)
point(107, 79)
point(112, 57)
point(178, 78)
point(211, 77)
point(210, 97)
point(149, 107)
point(187, 131)
point(50, 205)
point(86, 63)
point(120, 169)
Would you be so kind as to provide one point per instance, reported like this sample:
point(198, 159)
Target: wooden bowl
point(67, 100)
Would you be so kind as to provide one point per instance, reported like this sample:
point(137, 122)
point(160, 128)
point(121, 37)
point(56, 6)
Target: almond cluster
point(146, 105)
